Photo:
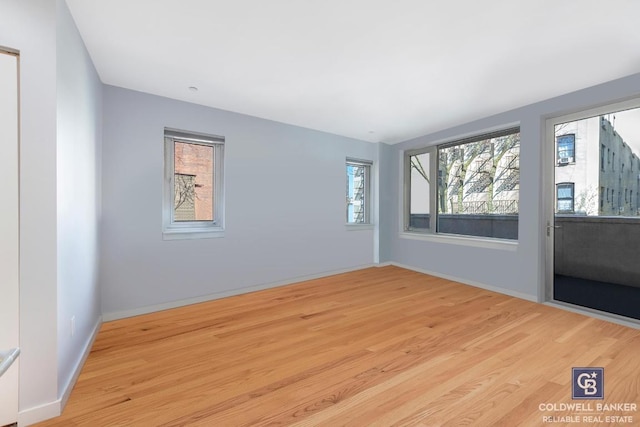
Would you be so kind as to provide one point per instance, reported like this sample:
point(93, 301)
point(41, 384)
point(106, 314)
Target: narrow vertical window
point(193, 185)
point(418, 183)
point(358, 192)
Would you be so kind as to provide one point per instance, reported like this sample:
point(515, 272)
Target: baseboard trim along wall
point(53, 409)
point(39, 413)
point(210, 297)
point(532, 298)
point(68, 388)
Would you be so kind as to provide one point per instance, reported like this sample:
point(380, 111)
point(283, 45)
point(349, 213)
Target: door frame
point(10, 224)
point(548, 198)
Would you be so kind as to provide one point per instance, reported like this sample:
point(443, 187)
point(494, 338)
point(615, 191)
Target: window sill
point(192, 233)
point(356, 227)
point(478, 242)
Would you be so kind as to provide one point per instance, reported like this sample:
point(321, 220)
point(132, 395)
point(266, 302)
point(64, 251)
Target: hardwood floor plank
point(380, 346)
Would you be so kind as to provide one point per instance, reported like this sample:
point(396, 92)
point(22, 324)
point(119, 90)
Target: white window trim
point(460, 239)
point(367, 224)
point(172, 230)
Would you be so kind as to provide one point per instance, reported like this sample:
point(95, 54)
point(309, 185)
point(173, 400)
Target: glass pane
point(565, 193)
point(478, 187)
point(565, 205)
point(420, 196)
point(356, 193)
point(193, 182)
point(606, 164)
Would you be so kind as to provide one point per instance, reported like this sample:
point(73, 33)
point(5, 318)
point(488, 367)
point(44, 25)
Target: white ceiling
point(377, 70)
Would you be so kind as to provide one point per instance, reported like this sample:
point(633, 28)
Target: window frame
point(569, 159)
point(432, 233)
point(432, 151)
point(367, 165)
point(172, 229)
point(572, 186)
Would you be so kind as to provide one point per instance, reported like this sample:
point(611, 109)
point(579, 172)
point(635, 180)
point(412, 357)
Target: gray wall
point(30, 27)
point(519, 270)
point(284, 212)
point(79, 135)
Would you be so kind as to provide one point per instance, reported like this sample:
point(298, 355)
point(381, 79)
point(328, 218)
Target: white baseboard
point(511, 293)
point(68, 388)
point(384, 264)
point(55, 408)
point(39, 413)
point(217, 295)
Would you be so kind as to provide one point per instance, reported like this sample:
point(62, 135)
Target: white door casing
point(9, 237)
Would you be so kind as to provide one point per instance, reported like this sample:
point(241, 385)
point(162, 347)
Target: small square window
point(193, 202)
point(358, 192)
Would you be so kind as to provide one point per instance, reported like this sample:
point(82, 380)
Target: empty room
point(252, 213)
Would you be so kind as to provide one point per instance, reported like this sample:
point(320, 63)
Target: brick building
point(193, 183)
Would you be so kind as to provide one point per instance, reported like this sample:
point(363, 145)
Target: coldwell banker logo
point(587, 383)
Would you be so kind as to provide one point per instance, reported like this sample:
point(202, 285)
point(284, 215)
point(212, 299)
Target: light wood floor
point(377, 347)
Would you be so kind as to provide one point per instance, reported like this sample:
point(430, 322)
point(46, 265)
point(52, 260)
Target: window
point(472, 186)
point(193, 199)
point(612, 196)
point(613, 161)
point(358, 191)
point(565, 197)
point(601, 198)
point(418, 167)
point(566, 148)
point(602, 157)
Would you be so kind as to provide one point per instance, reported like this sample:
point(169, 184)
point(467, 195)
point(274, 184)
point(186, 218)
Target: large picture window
point(193, 185)
point(474, 190)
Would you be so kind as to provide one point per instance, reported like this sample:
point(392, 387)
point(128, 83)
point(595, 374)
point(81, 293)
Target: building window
point(602, 157)
point(358, 191)
point(566, 148)
point(564, 193)
point(613, 161)
point(601, 198)
point(193, 190)
point(472, 185)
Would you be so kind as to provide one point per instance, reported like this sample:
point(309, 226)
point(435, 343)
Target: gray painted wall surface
point(520, 271)
point(386, 199)
point(30, 27)
point(79, 135)
point(284, 211)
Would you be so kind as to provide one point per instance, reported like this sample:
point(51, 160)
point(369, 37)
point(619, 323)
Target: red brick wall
point(194, 159)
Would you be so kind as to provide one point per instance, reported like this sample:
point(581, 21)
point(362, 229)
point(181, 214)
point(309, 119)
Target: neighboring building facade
point(597, 172)
point(193, 186)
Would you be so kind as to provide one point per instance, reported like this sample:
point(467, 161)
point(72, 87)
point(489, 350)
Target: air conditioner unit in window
point(563, 161)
